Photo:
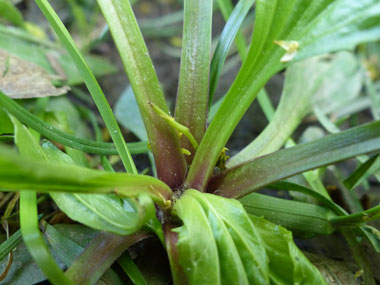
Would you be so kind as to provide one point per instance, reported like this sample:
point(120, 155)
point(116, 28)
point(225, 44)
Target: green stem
point(358, 218)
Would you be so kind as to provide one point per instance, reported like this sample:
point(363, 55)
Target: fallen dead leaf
point(20, 79)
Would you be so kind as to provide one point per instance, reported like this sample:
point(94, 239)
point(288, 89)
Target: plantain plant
point(201, 205)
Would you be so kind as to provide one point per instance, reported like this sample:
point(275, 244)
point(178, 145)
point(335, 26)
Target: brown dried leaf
point(335, 272)
point(20, 79)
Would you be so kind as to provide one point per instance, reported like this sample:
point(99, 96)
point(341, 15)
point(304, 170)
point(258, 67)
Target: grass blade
point(170, 163)
point(34, 241)
point(91, 83)
point(193, 86)
point(362, 172)
point(253, 175)
point(227, 37)
point(8, 245)
point(131, 269)
point(61, 137)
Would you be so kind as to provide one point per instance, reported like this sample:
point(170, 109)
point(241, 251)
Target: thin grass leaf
point(288, 186)
point(91, 83)
point(31, 234)
point(226, 39)
point(362, 172)
point(193, 86)
point(131, 269)
point(10, 244)
point(253, 175)
point(34, 241)
point(226, 8)
point(61, 137)
point(170, 163)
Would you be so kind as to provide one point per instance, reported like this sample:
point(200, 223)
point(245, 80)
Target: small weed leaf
point(219, 243)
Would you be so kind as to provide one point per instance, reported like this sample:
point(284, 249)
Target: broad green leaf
point(170, 163)
point(326, 82)
point(217, 243)
point(304, 219)
point(57, 135)
point(193, 86)
point(254, 174)
point(287, 264)
point(91, 83)
point(102, 212)
point(306, 28)
point(197, 249)
point(19, 173)
point(49, 56)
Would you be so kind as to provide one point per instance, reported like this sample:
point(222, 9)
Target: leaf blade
point(193, 85)
point(293, 20)
point(259, 172)
point(91, 83)
point(169, 160)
